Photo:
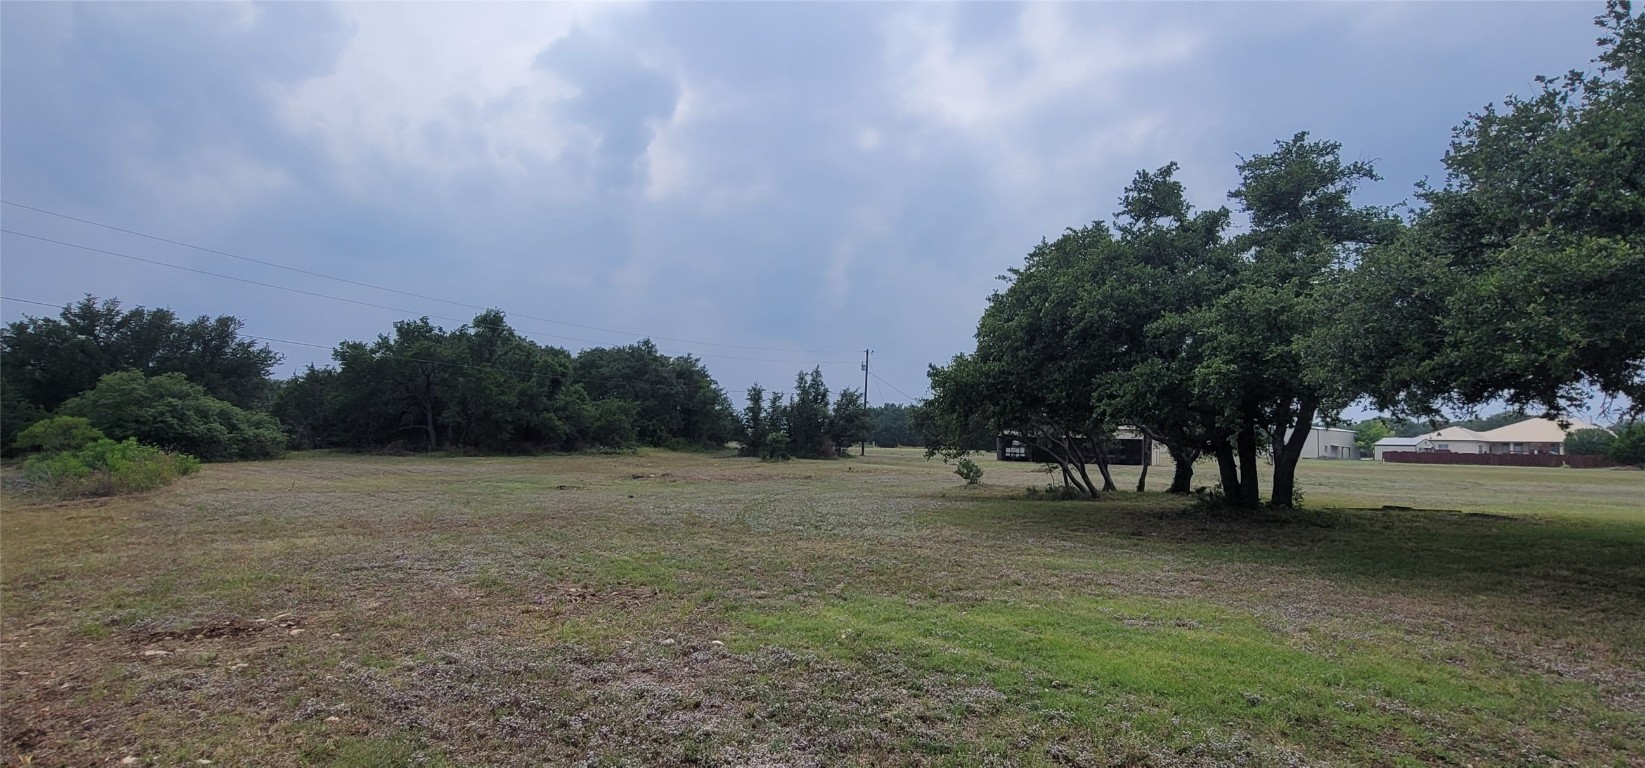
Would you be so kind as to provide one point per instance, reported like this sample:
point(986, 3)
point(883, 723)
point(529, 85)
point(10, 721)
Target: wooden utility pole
point(865, 354)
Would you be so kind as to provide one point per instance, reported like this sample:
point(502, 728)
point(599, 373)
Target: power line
point(413, 313)
point(322, 275)
point(893, 387)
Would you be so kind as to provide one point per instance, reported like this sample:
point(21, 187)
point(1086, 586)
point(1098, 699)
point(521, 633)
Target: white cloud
point(986, 88)
point(435, 89)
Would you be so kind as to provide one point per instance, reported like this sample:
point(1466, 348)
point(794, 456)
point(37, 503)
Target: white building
point(1528, 436)
point(1459, 440)
point(1330, 443)
point(1420, 444)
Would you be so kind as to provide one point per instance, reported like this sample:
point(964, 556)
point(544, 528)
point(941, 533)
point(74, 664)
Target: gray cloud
point(799, 176)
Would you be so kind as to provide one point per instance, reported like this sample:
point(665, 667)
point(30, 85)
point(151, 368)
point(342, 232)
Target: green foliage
point(16, 414)
point(1589, 442)
point(49, 360)
point(850, 422)
point(677, 404)
point(1369, 431)
point(1629, 445)
point(172, 413)
point(485, 387)
point(303, 406)
point(892, 425)
point(1523, 279)
point(1162, 322)
point(106, 467)
point(968, 470)
point(806, 428)
point(58, 434)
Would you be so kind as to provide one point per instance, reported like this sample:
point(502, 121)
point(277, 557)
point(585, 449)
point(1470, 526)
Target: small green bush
point(106, 468)
point(968, 471)
point(58, 434)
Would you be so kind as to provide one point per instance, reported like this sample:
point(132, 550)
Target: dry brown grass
point(684, 609)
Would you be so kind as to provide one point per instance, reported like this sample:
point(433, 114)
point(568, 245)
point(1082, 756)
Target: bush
point(177, 415)
point(968, 471)
point(1629, 445)
point(106, 467)
point(1588, 442)
point(58, 434)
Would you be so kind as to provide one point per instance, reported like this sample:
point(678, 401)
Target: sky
point(767, 186)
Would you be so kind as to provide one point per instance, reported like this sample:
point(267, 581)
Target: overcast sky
point(767, 186)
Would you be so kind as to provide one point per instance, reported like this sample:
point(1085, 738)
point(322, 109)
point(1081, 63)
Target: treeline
point(192, 386)
point(196, 387)
point(1519, 279)
point(485, 387)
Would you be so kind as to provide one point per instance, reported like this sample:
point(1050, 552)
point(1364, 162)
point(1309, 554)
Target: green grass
point(672, 608)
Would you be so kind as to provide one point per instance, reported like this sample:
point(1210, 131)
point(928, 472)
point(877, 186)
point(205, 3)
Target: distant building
point(1459, 440)
point(1125, 449)
point(1529, 436)
point(1419, 444)
point(1532, 436)
point(1330, 443)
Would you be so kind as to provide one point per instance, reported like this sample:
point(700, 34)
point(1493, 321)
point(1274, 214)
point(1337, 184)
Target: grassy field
point(674, 609)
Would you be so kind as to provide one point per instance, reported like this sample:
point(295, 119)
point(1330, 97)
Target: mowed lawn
point(687, 609)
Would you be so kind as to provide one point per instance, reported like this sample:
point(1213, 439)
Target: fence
point(1499, 459)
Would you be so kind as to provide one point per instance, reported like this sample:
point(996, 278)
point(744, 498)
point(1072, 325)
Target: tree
point(758, 423)
point(1629, 445)
point(16, 414)
point(849, 422)
point(304, 406)
point(677, 402)
point(1267, 340)
point(172, 413)
point(1368, 432)
point(49, 360)
point(1589, 442)
point(1523, 278)
point(892, 426)
point(1203, 343)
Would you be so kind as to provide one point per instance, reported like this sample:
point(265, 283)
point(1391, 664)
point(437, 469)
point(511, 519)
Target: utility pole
point(865, 354)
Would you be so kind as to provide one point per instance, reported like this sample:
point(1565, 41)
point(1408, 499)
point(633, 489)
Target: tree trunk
point(1250, 493)
point(1067, 454)
point(1107, 477)
point(1182, 479)
point(1147, 453)
point(1285, 459)
point(1229, 471)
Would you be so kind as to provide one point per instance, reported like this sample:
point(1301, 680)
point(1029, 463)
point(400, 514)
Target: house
point(1535, 436)
point(1532, 436)
point(1459, 440)
point(1420, 444)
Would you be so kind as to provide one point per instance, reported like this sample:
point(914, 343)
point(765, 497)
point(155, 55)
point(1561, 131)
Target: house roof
point(1457, 433)
point(1397, 442)
point(1535, 431)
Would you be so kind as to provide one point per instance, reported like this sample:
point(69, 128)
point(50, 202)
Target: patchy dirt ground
point(680, 609)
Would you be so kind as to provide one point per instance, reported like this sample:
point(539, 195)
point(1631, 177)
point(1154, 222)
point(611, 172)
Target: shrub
point(968, 471)
point(175, 414)
point(1629, 445)
point(106, 467)
point(58, 434)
